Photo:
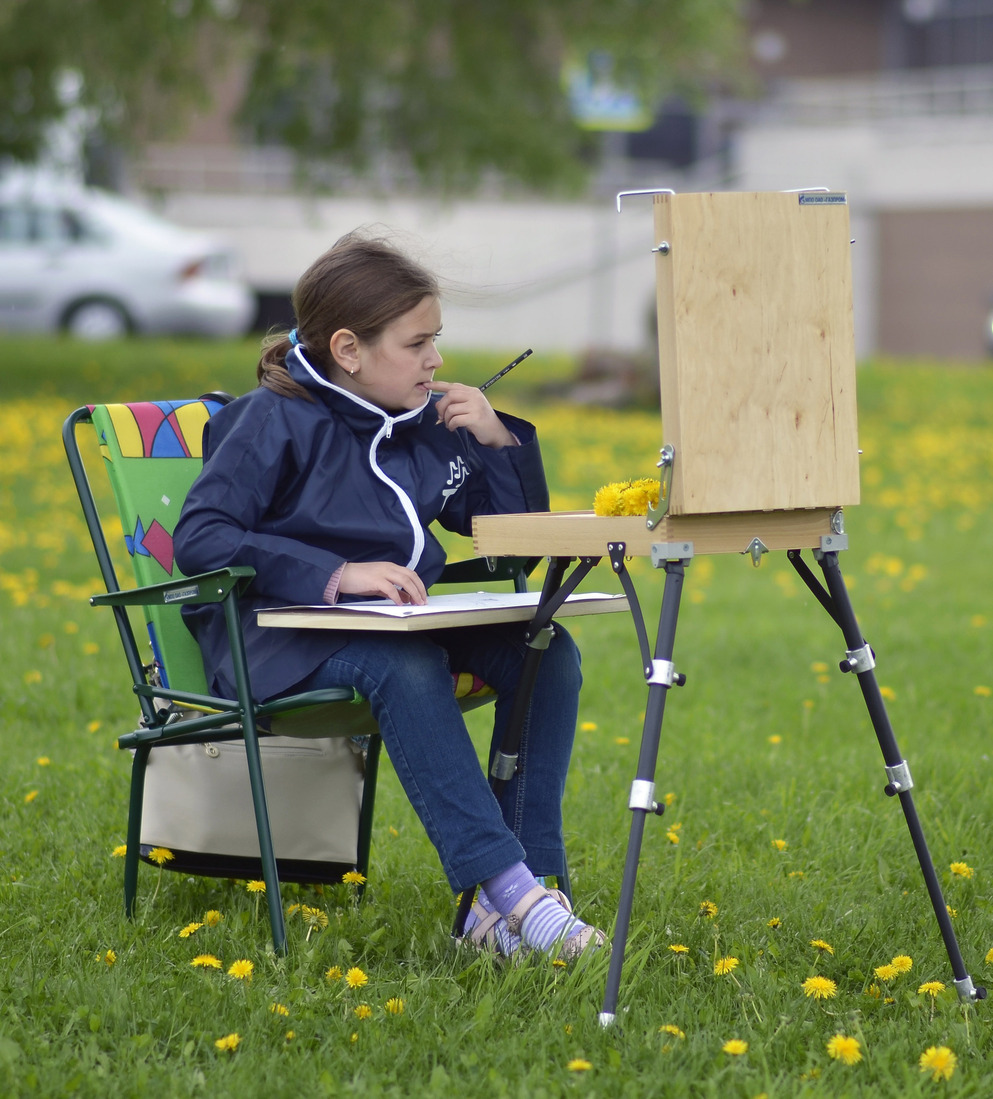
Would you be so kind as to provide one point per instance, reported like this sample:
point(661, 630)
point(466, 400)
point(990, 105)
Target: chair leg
point(138, 765)
point(368, 804)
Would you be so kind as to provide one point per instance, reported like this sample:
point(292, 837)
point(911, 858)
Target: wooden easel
point(757, 370)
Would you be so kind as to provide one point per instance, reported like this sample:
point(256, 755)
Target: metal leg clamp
point(504, 766)
point(543, 638)
point(643, 797)
point(663, 673)
point(899, 779)
point(968, 993)
point(858, 660)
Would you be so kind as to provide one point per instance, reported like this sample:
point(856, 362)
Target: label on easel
point(821, 198)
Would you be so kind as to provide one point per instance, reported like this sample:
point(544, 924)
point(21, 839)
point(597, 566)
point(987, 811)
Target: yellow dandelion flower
point(989, 956)
point(353, 877)
point(821, 988)
point(395, 1005)
point(110, 957)
point(672, 836)
point(671, 1028)
point(669, 798)
point(873, 991)
point(775, 923)
point(91, 648)
point(796, 874)
point(290, 1035)
point(93, 726)
point(363, 1011)
point(333, 973)
point(707, 909)
point(931, 988)
point(953, 912)
point(961, 870)
point(206, 961)
point(43, 761)
point(607, 500)
point(355, 978)
point(70, 627)
point(678, 948)
point(735, 1047)
point(255, 886)
point(902, 963)
point(723, 966)
point(33, 676)
point(982, 691)
point(212, 917)
point(820, 944)
point(558, 963)
point(228, 1044)
point(623, 741)
point(279, 1009)
point(888, 693)
point(241, 970)
point(775, 739)
point(161, 855)
point(588, 726)
point(940, 1061)
point(316, 919)
point(190, 929)
point(818, 667)
point(577, 1064)
point(886, 972)
point(845, 1049)
point(30, 796)
point(780, 845)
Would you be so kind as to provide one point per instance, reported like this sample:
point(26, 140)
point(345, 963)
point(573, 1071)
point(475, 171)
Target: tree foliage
point(452, 89)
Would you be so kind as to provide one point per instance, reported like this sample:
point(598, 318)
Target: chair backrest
point(153, 451)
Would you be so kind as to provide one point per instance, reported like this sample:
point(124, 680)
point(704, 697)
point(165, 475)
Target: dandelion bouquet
point(627, 497)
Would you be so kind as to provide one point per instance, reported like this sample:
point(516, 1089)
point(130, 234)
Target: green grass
point(766, 742)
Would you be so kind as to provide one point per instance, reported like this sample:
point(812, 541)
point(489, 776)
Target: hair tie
point(293, 337)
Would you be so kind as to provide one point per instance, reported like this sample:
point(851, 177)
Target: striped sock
point(547, 924)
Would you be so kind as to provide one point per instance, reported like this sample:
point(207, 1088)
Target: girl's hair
point(362, 284)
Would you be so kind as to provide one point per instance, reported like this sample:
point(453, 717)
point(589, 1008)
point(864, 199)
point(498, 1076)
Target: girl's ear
point(345, 349)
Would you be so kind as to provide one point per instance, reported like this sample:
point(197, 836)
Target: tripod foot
point(606, 1019)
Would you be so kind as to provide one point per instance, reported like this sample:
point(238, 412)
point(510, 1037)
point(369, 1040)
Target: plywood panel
point(757, 351)
point(583, 534)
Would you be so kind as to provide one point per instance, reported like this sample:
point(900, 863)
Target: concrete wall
point(550, 276)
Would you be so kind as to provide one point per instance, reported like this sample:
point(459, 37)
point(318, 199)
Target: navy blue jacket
point(295, 488)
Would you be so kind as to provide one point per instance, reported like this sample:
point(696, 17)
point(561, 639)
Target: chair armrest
point(479, 569)
point(205, 587)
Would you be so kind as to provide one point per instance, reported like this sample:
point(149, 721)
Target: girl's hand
point(466, 406)
point(382, 578)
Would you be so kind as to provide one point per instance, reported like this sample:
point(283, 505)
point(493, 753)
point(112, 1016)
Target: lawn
point(779, 904)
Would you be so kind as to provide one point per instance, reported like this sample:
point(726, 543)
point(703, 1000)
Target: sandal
point(483, 933)
point(572, 947)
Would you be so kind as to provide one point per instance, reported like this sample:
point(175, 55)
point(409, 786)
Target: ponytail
point(272, 372)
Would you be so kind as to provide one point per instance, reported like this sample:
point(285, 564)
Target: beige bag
point(198, 803)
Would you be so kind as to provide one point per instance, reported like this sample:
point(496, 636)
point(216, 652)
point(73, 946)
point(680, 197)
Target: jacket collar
point(360, 413)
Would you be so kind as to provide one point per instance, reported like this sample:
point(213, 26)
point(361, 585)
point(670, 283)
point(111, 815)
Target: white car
point(86, 262)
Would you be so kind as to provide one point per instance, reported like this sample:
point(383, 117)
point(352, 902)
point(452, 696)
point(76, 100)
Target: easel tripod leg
point(660, 675)
point(859, 659)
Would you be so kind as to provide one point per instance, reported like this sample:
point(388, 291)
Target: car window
point(14, 225)
point(24, 224)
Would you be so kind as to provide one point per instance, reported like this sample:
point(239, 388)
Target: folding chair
point(152, 453)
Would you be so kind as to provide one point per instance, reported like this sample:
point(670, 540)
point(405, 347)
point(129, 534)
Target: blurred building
point(889, 100)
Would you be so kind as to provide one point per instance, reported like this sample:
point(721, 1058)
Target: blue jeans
point(407, 679)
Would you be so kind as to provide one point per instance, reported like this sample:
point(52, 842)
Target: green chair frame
point(152, 454)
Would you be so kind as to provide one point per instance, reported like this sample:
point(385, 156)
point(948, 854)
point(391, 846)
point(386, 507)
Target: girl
point(325, 480)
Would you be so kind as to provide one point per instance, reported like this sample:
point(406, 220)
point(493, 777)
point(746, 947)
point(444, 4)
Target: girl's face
point(394, 371)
